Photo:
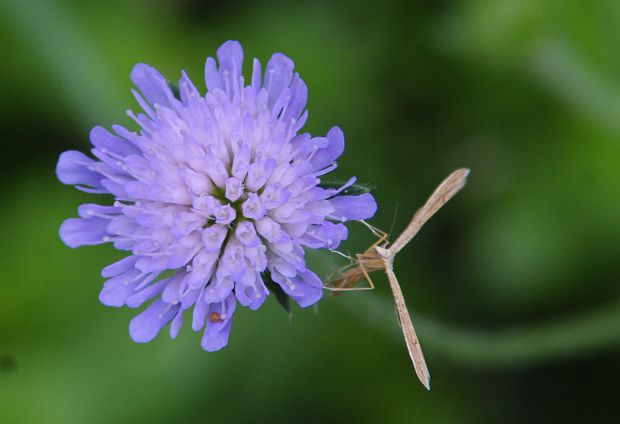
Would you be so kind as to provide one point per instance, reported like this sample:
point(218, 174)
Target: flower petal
point(107, 142)
point(346, 208)
point(216, 332)
point(152, 85)
point(119, 266)
point(138, 298)
point(145, 326)
point(299, 97)
point(117, 289)
point(230, 56)
point(176, 324)
point(72, 169)
point(327, 155)
point(76, 232)
point(200, 312)
point(250, 290)
point(256, 75)
point(327, 234)
point(219, 288)
point(313, 288)
point(212, 76)
point(187, 89)
point(305, 288)
point(278, 76)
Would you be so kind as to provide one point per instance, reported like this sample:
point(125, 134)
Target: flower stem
point(519, 346)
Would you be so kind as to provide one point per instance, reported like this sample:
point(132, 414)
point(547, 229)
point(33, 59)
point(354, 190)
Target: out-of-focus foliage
point(525, 93)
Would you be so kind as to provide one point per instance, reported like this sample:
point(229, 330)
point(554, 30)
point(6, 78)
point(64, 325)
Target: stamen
point(315, 148)
point(268, 85)
point(146, 281)
point(116, 178)
point(226, 81)
point(92, 213)
point(324, 171)
point(111, 154)
point(286, 103)
point(241, 89)
point(141, 122)
point(161, 315)
point(143, 103)
point(134, 279)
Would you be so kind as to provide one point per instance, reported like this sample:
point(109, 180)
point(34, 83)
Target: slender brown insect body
point(380, 256)
point(362, 265)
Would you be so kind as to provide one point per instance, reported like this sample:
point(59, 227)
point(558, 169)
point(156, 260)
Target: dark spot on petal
point(214, 317)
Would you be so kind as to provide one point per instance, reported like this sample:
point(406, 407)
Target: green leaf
point(283, 299)
point(175, 90)
point(354, 189)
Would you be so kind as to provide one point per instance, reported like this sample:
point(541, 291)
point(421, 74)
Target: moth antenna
point(389, 233)
point(377, 232)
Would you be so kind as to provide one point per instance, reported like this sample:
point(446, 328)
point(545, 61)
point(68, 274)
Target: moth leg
point(377, 232)
point(344, 255)
point(347, 289)
point(381, 237)
point(353, 273)
point(366, 274)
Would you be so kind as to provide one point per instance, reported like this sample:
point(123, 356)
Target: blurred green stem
point(580, 334)
point(561, 68)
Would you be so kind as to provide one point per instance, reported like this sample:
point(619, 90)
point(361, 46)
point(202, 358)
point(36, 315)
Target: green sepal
point(354, 189)
point(283, 299)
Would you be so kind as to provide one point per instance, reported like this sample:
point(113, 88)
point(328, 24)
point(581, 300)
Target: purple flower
point(221, 191)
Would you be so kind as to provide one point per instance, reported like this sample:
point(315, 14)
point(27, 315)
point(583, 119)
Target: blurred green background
point(513, 286)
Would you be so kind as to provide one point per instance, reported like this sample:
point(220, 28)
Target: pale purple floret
point(220, 189)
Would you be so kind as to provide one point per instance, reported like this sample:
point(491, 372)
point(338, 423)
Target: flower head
point(220, 190)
